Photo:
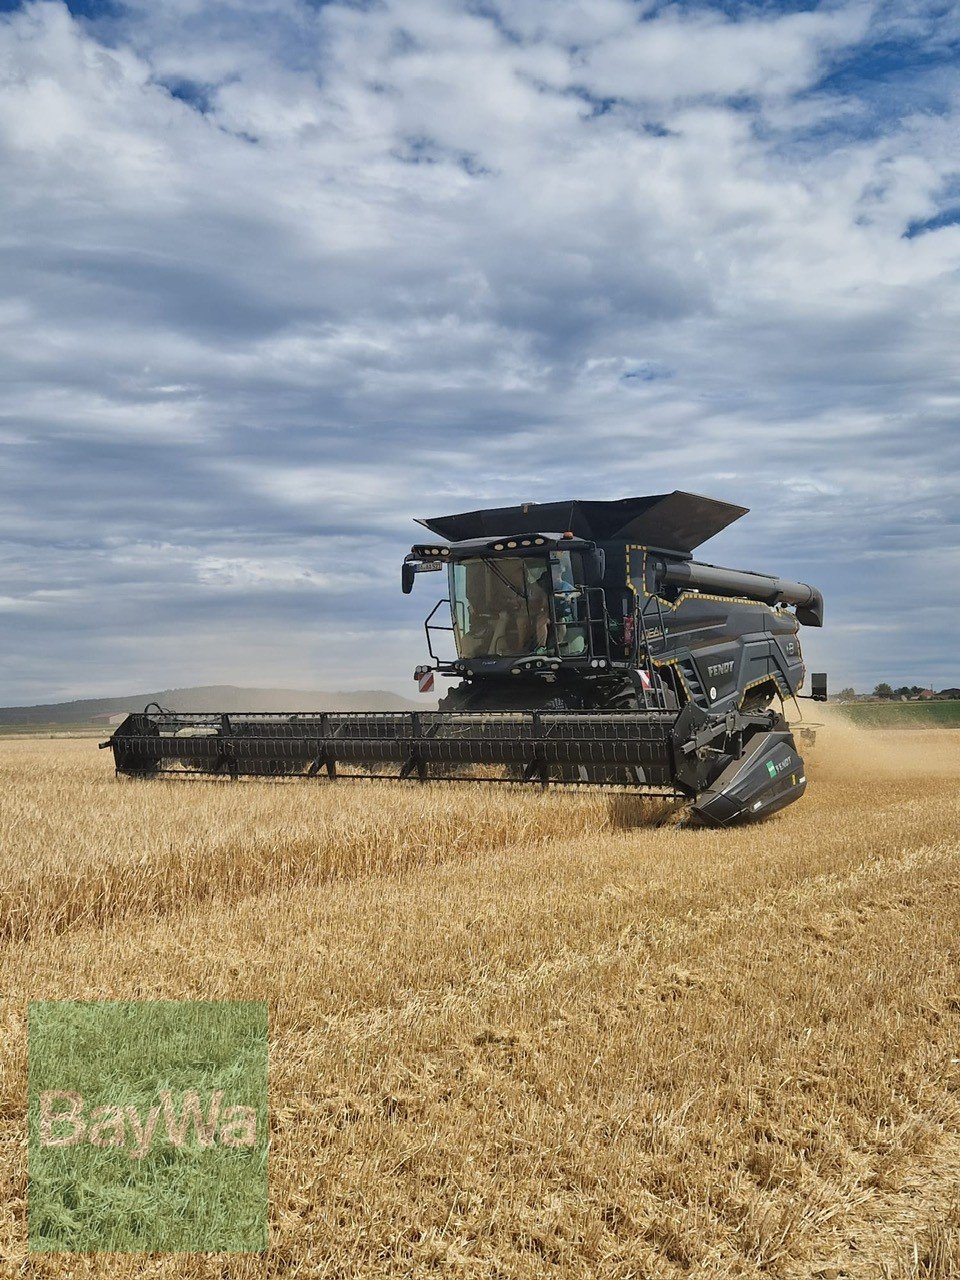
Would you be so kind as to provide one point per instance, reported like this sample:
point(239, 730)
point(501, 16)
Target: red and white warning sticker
point(645, 679)
point(425, 681)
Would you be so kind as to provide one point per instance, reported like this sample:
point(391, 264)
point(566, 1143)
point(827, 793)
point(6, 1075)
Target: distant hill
point(216, 697)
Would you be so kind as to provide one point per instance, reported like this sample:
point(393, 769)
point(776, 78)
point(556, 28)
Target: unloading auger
point(591, 650)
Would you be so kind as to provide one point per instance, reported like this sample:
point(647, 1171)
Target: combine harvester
point(591, 649)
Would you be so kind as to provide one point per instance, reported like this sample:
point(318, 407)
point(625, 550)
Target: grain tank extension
point(589, 648)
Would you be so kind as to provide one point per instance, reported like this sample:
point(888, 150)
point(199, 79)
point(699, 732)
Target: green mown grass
point(903, 715)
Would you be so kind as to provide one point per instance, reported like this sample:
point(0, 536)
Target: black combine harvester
point(591, 649)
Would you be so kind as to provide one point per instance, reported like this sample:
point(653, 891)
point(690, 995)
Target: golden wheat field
point(519, 1034)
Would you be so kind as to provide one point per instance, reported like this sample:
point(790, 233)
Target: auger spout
point(755, 586)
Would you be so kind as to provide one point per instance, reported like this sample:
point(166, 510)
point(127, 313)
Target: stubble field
point(518, 1035)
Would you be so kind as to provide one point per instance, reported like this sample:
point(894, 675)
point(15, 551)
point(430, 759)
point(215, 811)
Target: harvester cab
point(525, 606)
point(588, 648)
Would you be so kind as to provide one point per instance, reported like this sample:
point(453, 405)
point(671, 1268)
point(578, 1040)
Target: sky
point(279, 276)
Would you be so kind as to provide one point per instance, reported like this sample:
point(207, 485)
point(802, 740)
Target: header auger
point(591, 649)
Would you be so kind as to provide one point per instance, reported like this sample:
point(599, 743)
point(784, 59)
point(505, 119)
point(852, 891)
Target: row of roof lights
point(436, 551)
point(524, 542)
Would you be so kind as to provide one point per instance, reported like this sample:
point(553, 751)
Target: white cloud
point(707, 54)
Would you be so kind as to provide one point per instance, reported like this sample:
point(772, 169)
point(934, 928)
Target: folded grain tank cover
point(675, 521)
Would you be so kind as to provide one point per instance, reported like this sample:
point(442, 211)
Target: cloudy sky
point(278, 276)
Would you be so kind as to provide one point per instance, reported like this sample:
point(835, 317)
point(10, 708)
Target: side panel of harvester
point(725, 652)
